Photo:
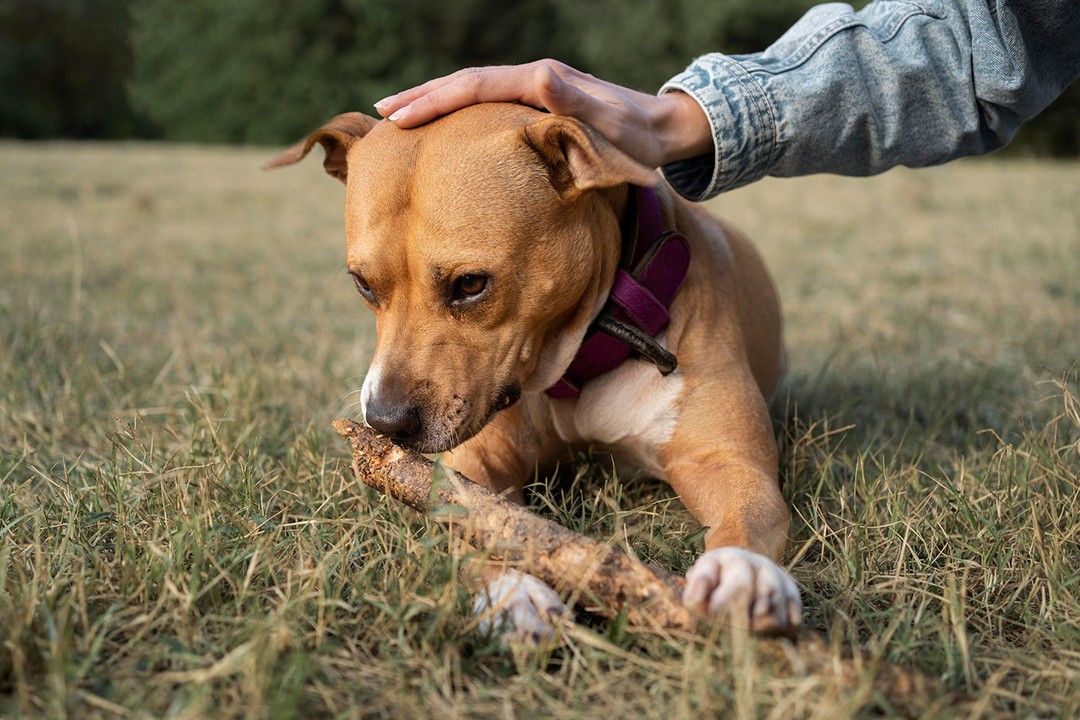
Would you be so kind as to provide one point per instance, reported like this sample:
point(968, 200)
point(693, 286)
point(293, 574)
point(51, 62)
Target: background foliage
point(63, 65)
point(267, 71)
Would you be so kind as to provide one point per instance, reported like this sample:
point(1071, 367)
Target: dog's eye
point(469, 286)
point(362, 287)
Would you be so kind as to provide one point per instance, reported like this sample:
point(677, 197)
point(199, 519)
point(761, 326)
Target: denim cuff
point(743, 128)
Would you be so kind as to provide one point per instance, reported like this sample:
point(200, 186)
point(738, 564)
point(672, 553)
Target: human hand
point(654, 130)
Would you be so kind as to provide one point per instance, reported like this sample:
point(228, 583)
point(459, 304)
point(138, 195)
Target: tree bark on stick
point(606, 580)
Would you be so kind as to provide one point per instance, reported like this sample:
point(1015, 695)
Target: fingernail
point(399, 114)
point(384, 102)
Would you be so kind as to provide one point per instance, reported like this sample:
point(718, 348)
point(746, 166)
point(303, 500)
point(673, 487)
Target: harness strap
point(640, 305)
point(656, 265)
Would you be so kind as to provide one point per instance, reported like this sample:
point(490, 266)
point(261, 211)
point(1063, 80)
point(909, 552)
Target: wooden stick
point(609, 580)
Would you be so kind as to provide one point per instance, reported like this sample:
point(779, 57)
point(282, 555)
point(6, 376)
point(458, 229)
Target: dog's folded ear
point(336, 137)
point(580, 158)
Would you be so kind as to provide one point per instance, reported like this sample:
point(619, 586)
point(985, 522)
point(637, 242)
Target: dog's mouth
point(504, 399)
point(439, 430)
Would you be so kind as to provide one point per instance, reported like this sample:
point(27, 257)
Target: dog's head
point(485, 242)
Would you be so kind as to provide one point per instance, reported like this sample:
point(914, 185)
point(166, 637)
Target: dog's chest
point(631, 410)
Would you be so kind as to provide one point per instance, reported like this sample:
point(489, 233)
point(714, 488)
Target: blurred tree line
point(267, 71)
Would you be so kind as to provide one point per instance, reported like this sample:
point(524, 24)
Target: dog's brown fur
point(533, 203)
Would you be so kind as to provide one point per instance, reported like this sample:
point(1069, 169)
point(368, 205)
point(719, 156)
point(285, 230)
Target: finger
point(555, 94)
point(615, 112)
point(511, 83)
point(577, 95)
point(388, 105)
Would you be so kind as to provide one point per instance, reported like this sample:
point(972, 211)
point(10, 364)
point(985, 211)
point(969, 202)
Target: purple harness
point(652, 269)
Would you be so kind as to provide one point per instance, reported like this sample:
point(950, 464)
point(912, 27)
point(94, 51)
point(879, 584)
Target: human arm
point(898, 83)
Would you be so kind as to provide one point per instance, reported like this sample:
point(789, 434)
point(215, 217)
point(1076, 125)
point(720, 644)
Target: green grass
point(180, 535)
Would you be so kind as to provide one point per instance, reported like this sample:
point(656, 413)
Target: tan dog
point(486, 242)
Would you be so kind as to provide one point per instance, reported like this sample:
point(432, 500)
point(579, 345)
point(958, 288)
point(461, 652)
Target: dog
point(535, 290)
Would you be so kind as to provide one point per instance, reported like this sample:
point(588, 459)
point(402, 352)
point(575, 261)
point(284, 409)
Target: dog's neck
point(651, 270)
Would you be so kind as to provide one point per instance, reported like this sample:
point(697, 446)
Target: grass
point(180, 536)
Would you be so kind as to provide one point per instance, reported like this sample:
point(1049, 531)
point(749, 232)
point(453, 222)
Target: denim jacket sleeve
point(901, 82)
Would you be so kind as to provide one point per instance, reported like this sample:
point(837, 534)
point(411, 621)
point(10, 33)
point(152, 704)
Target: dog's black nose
point(399, 421)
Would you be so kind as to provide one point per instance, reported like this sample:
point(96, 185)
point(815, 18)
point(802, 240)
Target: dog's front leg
point(722, 460)
point(519, 606)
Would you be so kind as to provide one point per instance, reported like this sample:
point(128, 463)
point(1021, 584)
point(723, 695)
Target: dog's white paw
point(743, 588)
point(520, 607)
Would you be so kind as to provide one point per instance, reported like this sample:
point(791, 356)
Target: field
point(180, 536)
